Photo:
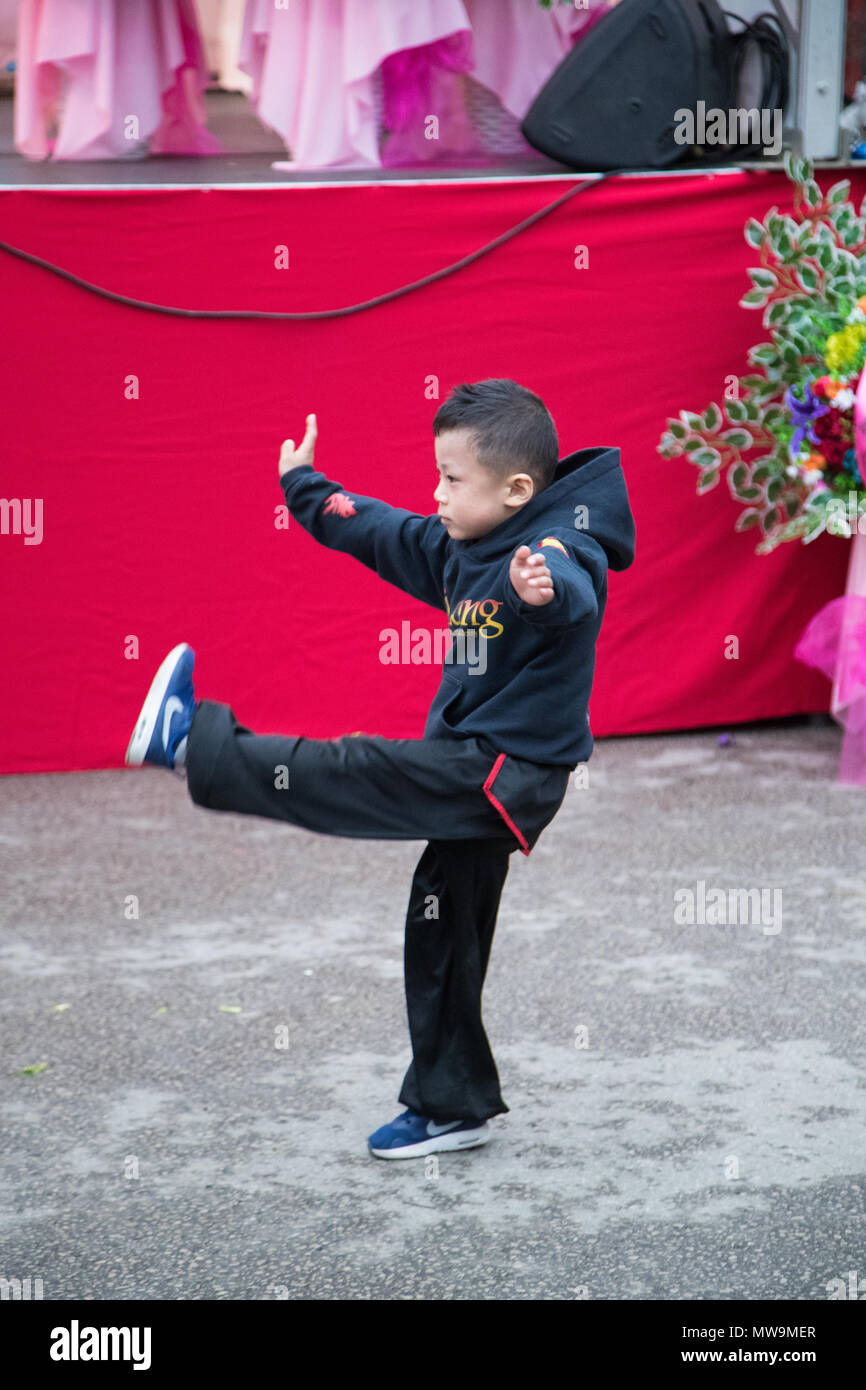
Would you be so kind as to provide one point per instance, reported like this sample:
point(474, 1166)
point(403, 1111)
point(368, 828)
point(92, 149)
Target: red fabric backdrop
point(158, 512)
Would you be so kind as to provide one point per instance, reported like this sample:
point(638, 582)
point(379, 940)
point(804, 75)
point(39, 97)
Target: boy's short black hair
point(512, 429)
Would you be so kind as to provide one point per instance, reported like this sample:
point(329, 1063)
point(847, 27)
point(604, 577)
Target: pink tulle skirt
point(345, 83)
point(835, 642)
point(355, 83)
point(116, 77)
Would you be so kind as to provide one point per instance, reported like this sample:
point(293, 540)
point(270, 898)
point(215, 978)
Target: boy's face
point(471, 499)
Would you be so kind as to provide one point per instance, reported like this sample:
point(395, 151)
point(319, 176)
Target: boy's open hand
point(530, 576)
point(290, 457)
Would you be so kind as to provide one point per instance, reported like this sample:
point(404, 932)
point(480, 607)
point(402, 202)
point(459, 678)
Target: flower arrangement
point(798, 409)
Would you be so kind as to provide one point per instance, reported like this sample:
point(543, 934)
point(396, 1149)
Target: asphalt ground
point(686, 1099)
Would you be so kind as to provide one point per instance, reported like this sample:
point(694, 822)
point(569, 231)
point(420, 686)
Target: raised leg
point(364, 787)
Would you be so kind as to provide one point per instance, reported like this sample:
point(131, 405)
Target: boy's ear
point(522, 489)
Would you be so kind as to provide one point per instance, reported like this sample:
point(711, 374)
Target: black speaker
point(611, 102)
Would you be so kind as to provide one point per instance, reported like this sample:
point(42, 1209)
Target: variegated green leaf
point(764, 279)
point(741, 439)
point(813, 527)
point(756, 234)
point(694, 422)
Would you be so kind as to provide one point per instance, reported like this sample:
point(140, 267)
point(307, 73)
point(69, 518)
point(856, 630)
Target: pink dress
point(313, 68)
point(117, 77)
point(476, 86)
point(366, 83)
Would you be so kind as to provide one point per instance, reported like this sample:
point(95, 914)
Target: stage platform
point(250, 150)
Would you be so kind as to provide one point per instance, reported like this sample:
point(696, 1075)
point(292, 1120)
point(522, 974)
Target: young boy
point(517, 556)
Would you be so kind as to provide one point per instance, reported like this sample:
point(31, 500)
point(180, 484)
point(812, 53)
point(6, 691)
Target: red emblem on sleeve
point(340, 504)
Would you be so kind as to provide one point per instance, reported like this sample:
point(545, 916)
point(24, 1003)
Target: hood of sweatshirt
point(588, 496)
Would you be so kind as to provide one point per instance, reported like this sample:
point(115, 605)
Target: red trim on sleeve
point(495, 802)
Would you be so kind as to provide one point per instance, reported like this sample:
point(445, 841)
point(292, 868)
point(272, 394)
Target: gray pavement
point(703, 1138)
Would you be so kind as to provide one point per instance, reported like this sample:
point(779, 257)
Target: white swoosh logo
point(172, 706)
point(433, 1130)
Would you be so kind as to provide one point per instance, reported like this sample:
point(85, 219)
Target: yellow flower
point(844, 348)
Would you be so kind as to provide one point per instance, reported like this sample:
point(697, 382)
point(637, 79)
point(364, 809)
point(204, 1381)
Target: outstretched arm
point(404, 548)
point(551, 587)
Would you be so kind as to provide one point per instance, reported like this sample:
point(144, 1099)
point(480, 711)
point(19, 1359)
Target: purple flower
point(802, 415)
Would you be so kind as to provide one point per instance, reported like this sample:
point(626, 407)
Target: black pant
point(473, 804)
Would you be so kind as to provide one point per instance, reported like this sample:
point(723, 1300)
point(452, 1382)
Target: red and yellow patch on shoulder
point(551, 540)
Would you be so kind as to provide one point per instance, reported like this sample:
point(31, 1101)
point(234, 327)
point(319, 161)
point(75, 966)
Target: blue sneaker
point(167, 712)
point(412, 1136)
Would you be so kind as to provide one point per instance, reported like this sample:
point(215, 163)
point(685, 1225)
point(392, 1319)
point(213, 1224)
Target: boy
point(517, 556)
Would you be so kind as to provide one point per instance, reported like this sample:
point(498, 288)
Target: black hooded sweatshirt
point(518, 675)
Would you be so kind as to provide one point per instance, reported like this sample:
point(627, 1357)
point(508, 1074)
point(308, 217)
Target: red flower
point(835, 432)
